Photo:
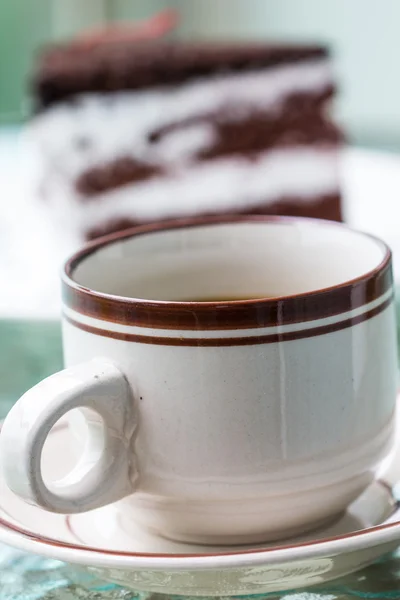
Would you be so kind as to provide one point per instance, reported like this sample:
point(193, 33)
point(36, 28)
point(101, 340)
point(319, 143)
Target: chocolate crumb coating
point(70, 69)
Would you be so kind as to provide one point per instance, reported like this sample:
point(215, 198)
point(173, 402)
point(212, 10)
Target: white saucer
point(97, 541)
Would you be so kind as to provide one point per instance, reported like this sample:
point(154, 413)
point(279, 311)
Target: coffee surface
point(226, 298)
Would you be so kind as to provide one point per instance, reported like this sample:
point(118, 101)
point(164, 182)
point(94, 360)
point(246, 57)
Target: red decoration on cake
point(155, 27)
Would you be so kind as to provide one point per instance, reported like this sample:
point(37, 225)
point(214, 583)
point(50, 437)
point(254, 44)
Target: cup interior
point(243, 259)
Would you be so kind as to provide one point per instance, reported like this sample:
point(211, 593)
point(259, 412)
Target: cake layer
point(245, 138)
point(297, 103)
point(113, 175)
point(215, 186)
point(96, 130)
point(259, 133)
point(71, 69)
point(322, 207)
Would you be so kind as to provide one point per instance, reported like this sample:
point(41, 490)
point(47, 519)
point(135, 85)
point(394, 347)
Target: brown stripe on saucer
point(233, 341)
point(7, 523)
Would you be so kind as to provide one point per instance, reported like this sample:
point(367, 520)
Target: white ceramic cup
point(225, 421)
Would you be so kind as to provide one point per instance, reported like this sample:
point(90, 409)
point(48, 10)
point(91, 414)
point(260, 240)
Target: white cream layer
point(218, 185)
point(119, 125)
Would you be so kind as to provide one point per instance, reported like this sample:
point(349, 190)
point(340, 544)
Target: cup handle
point(105, 472)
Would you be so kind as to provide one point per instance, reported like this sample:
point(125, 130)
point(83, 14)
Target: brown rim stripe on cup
point(246, 314)
point(233, 341)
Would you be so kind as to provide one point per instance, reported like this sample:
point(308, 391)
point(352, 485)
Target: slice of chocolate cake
point(133, 132)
